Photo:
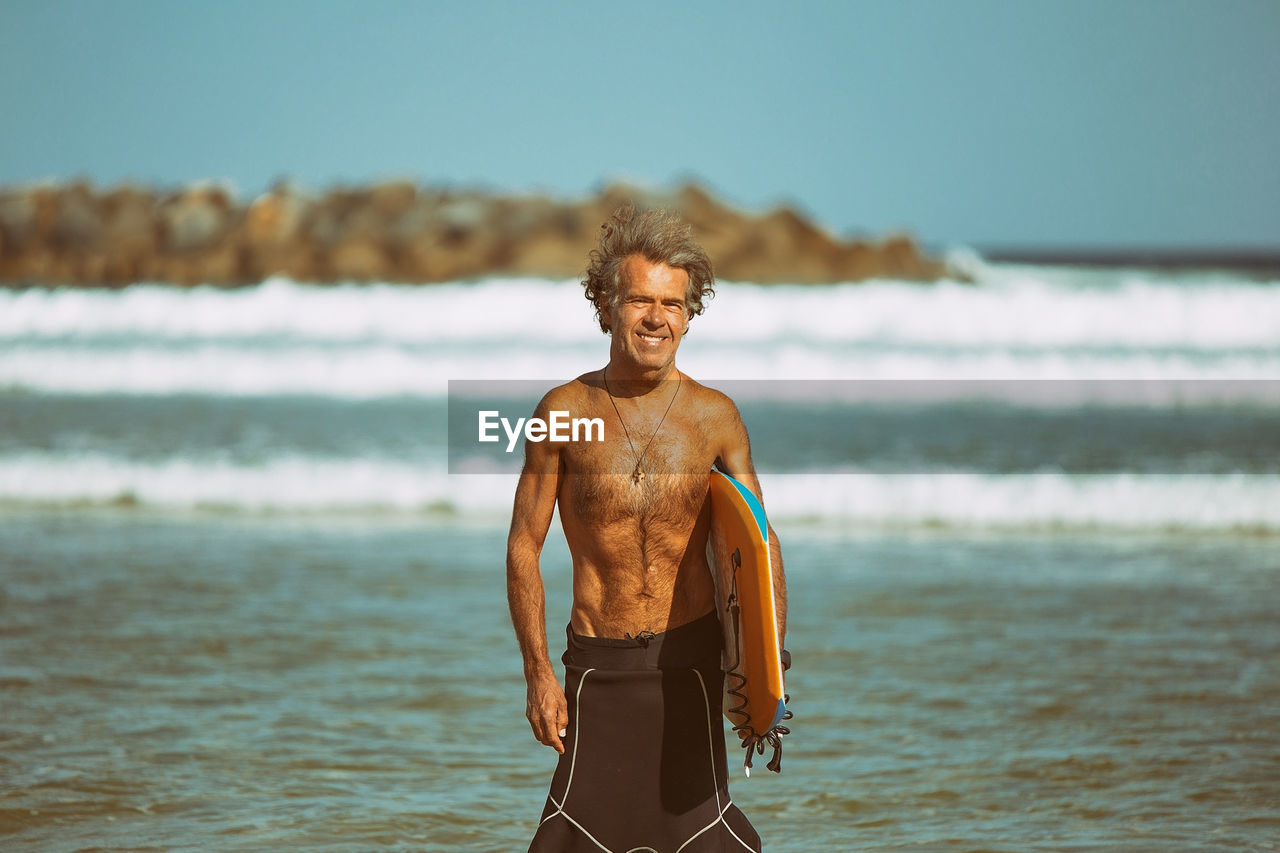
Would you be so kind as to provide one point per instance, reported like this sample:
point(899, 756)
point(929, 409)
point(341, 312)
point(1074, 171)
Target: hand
point(547, 710)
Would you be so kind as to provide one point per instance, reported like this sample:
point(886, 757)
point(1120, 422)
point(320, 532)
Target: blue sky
point(1019, 123)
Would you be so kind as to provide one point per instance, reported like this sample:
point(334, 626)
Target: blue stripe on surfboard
point(779, 714)
point(757, 511)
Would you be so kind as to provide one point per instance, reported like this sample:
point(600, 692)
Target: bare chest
point(660, 477)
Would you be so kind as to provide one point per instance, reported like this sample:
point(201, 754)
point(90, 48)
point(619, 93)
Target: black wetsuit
point(644, 761)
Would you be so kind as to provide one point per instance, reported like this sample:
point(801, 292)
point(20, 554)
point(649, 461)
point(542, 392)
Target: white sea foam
point(1040, 500)
point(291, 484)
point(1012, 310)
point(379, 370)
point(286, 483)
point(388, 340)
point(280, 310)
point(1017, 307)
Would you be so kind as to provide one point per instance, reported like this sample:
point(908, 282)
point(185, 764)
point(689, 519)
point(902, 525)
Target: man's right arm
point(535, 502)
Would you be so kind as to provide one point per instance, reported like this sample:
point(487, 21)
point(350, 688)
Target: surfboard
point(738, 550)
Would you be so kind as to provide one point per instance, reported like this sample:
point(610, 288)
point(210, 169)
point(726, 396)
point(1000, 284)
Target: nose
point(653, 315)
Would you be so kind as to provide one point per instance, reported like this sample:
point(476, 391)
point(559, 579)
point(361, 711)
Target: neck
point(636, 382)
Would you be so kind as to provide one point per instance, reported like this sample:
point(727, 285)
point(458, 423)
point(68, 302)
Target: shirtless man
point(642, 748)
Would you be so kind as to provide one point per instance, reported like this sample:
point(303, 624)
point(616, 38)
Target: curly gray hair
point(661, 237)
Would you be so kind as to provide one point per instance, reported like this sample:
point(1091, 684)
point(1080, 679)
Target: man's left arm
point(735, 460)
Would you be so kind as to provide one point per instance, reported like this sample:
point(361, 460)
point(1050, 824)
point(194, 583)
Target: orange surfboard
point(738, 546)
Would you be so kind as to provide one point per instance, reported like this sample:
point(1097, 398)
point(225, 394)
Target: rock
point(395, 231)
point(17, 219)
point(901, 258)
point(390, 201)
point(299, 261)
point(79, 219)
point(131, 237)
point(415, 221)
point(275, 217)
point(28, 216)
point(358, 258)
point(195, 218)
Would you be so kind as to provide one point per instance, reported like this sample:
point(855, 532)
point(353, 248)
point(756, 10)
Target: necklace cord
point(638, 474)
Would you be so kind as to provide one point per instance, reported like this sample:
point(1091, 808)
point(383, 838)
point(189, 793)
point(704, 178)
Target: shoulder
point(571, 394)
point(719, 416)
point(725, 430)
point(715, 405)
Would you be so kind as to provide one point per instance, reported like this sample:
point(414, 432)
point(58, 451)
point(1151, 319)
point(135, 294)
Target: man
point(637, 725)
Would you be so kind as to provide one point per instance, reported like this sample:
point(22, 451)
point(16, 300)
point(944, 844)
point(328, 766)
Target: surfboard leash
point(754, 742)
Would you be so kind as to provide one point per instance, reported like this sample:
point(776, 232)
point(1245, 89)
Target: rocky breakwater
point(396, 232)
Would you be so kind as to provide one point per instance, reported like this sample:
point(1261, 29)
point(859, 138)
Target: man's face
point(651, 315)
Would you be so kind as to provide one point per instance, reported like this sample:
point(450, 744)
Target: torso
point(639, 548)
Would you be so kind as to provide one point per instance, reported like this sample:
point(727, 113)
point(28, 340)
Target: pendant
point(637, 475)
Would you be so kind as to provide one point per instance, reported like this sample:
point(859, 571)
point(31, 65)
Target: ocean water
point(249, 601)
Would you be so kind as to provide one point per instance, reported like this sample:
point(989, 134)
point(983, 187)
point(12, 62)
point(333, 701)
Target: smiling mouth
point(652, 339)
